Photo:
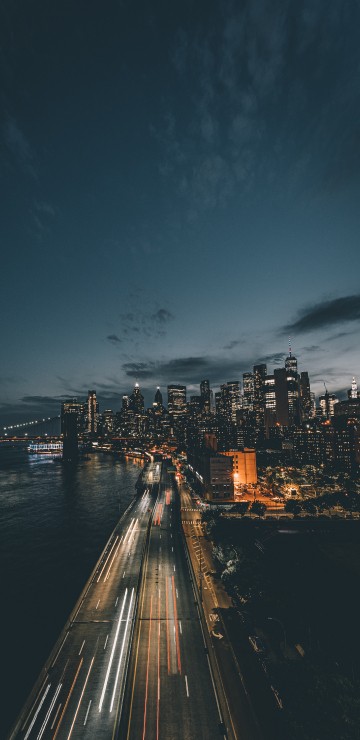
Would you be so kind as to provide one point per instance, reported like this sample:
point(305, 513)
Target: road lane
point(171, 693)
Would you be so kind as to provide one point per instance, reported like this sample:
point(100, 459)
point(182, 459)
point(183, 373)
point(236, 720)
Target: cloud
point(162, 316)
point(113, 338)
point(45, 208)
point(137, 324)
point(43, 400)
point(233, 343)
point(325, 314)
point(188, 370)
point(277, 358)
point(138, 369)
point(19, 146)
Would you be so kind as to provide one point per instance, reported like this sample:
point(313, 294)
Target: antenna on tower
point(289, 346)
point(326, 390)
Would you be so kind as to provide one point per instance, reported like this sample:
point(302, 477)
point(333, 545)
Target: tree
point(242, 507)
point(257, 507)
point(292, 507)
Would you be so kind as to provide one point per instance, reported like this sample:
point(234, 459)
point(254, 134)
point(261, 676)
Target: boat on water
point(45, 448)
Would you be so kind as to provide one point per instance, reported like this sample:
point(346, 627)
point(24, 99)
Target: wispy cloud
point(189, 370)
point(326, 314)
point(136, 325)
point(162, 316)
point(19, 146)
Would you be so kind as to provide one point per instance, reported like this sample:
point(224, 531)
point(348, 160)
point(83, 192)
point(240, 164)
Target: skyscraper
point(248, 388)
point(92, 412)
point(136, 400)
point(260, 372)
point(176, 400)
point(205, 395)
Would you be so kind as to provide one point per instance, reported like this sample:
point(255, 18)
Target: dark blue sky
point(180, 192)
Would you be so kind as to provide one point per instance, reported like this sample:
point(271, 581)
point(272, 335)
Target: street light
point(273, 619)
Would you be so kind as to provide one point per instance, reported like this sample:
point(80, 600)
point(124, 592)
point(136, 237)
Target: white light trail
point(49, 712)
point(37, 712)
point(187, 688)
point(122, 650)
point(102, 569)
point(88, 710)
point(112, 652)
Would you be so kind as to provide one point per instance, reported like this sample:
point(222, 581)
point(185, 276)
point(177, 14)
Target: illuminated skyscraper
point(260, 372)
point(92, 412)
point(176, 400)
point(248, 388)
point(205, 395)
point(136, 400)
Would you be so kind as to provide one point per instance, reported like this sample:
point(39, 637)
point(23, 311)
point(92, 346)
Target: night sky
point(179, 194)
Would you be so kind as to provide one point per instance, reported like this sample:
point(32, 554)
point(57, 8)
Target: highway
point(82, 685)
point(170, 694)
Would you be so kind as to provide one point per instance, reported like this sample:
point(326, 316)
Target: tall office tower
point(305, 396)
point(353, 393)
point(230, 392)
point(137, 400)
point(327, 404)
point(293, 383)
point(158, 397)
point(248, 388)
point(92, 412)
point(177, 400)
point(70, 436)
point(108, 421)
point(205, 395)
point(73, 406)
point(282, 396)
point(260, 372)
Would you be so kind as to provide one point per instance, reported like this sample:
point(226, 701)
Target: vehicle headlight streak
point(37, 712)
point(49, 712)
point(122, 650)
point(112, 652)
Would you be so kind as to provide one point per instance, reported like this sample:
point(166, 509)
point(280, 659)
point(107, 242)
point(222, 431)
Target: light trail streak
point(81, 697)
point(112, 652)
point(87, 713)
point(83, 643)
point(103, 568)
point(112, 560)
point(38, 694)
point(122, 650)
point(129, 529)
point(105, 643)
point(56, 714)
point(42, 729)
point(187, 687)
point(176, 626)
point(158, 676)
point(68, 699)
point(167, 626)
point(37, 712)
point(147, 669)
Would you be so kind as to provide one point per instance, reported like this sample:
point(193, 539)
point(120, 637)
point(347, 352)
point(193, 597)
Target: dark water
point(54, 523)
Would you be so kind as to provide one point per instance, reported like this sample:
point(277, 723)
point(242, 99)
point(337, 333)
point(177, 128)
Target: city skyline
point(181, 193)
